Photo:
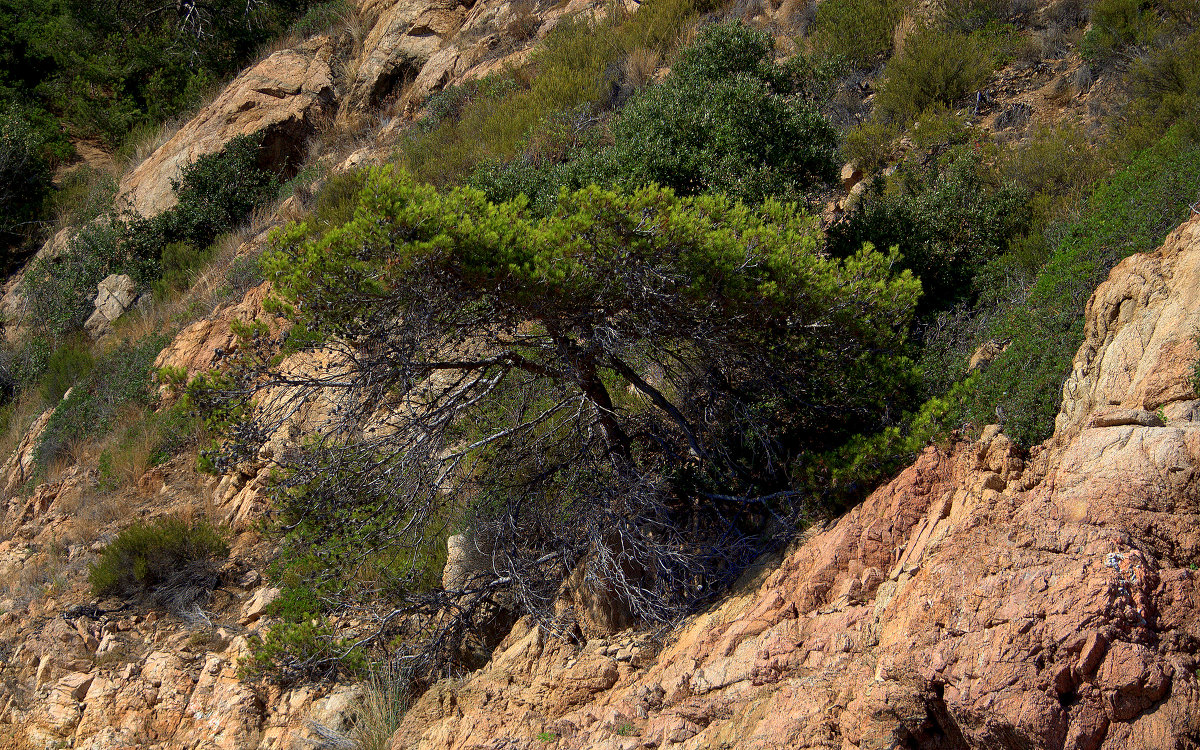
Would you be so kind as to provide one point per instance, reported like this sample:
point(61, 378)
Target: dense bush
point(105, 68)
point(727, 120)
point(1118, 25)
point(24, 180)
point(172, 561)
point(577, 64)
point(724, 122)
point(869, 146)
point(1164, 85)
point(949, 217)
point(936, 67)
point(337, 200)
point(65, 367)
point(859, 31)
point(60, 290)
point(287, 651)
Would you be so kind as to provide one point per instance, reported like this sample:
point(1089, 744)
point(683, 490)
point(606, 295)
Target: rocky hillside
point(985, 596)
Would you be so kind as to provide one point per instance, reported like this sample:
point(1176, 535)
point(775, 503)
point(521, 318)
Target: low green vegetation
point(1131, 212)
point(860, 32)
point(24, 180)
point(1121, 25)
point(936, 67)
point(112, 383)
point(216, 192)
point(727, 120)
point(103, 70)
point(167, 559)
point(949, 216)
point(578, 65)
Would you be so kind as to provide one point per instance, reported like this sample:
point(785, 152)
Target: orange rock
point(283, 96)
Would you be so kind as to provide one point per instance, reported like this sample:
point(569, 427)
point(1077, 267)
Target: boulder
point(256, 606)
point(114, 295)
point(199, 347)
point(1139, 345)
point(283, 96)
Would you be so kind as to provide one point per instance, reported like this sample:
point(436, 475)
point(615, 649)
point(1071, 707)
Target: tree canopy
point(618, 385)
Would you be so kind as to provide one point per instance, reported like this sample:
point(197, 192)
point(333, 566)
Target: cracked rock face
point(982, 599)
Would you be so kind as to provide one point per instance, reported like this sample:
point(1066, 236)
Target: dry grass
point(375, 718)
point(45, 572)
point(351, 33)
point(210, 289)
point(280, 43)
point(907, 26)
point(522, 24)
point(145, 141)
point(640, 66)
point(102, 511)
point(19, 417)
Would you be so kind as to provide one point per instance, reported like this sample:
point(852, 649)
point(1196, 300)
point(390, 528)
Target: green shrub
point(727, 119)
point(180, 262)
point(307, 650)
point(216, 192)
point(724, 122)
point(159, 559)
point(1055, 161)
point(320, 17)
point(337, 200)
point(1130, 213)
point(244, 273)
point(103, 69)
point(936, 67)
point(449, 103)
point(64, 368)
point(82, 195)
point(492, 120)
point(972, 15)
point(949, 216)
point(859, 31)
point(869, 145)
point(848, 473)
point(1165, 89)
point(115, 381)
point(1118, 25)
point(60, 291)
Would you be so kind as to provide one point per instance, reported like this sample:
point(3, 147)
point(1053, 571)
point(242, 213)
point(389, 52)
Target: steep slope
point(984, 598)
point(981, 599)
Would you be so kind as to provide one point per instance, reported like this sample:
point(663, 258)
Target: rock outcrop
point(102, 676)
point(982, 599)
point(1139, 350)
point(115, 294)
point(403, 38)
point(284, 97)
point(200, 346)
